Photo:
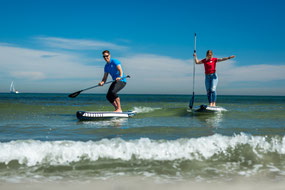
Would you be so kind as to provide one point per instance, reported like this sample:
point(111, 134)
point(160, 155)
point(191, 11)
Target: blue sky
point(55, 46)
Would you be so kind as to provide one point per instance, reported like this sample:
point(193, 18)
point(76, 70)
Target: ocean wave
point(217, 147)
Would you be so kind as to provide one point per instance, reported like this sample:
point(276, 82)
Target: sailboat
point(12, 89)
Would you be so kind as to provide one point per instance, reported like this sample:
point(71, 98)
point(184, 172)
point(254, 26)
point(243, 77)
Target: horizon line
point(190, 95)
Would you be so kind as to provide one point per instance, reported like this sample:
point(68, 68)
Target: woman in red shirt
point(211, 77)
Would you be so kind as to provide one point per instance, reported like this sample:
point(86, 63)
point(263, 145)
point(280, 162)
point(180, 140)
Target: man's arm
point(104, 79)
point(121, 72)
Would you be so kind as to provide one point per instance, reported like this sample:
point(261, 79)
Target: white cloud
point(21, 62)
point(28, 75)
point(251, 73)
point(51, 71)
point(162, 74)
point(59, 72)
point(78, 44)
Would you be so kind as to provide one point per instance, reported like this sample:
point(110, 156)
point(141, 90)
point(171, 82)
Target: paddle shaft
point(96, 86)
point(194, 65)
point(104, 84)
point(191, 103)
point(73, 95)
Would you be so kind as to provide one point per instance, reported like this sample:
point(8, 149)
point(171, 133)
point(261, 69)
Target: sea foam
point(144, 109)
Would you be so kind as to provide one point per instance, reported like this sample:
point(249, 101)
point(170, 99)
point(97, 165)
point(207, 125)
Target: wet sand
point(139, 184)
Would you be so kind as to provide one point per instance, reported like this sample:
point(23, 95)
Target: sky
point(55, 46)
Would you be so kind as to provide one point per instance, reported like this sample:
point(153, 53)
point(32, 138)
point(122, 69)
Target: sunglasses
point(105, 56)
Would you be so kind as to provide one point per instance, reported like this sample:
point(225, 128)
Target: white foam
point(221, 109)
point(144, 109)
point(116, 122)
point(33, 152)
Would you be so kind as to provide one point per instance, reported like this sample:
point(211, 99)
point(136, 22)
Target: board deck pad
point(95, 115)
point(208, 109)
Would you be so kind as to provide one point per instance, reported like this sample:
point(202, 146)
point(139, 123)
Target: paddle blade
point(73, 95)
point(191, 103)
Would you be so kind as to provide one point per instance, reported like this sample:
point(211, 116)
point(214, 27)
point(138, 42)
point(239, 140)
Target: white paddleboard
point(208, 109)
point(95, 115)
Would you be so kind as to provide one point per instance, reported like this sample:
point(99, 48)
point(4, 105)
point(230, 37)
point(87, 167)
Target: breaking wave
point(237, 148)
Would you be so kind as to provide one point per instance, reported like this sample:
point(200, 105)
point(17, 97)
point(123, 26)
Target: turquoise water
point(41, 138)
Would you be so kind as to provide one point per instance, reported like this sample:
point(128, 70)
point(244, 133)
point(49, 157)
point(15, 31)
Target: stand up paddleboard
point(97, 115)
point(208, 109)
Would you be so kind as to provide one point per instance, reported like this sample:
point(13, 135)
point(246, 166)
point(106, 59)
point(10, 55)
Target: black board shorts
point(114, 89)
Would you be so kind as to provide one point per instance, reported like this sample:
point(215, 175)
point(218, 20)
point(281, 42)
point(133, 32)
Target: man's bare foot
point(118, 110)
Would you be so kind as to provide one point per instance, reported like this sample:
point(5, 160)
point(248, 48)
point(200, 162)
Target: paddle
point(191, 103)
point(73, 95)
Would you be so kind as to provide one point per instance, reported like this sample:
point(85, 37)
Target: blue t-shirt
point(111, 68)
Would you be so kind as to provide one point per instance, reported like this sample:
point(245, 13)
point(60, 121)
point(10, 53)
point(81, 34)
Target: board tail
point(191, 103)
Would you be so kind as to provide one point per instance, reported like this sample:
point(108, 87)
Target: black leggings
point(114, 88)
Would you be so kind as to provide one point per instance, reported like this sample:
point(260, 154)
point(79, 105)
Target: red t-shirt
point(210, 65)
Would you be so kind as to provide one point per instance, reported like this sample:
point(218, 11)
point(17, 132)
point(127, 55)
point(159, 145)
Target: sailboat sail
point(12, 88)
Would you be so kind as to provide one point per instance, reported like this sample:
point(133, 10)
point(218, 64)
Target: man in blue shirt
point(114, 68)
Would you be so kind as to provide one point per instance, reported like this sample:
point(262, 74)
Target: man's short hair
point(106, 51)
